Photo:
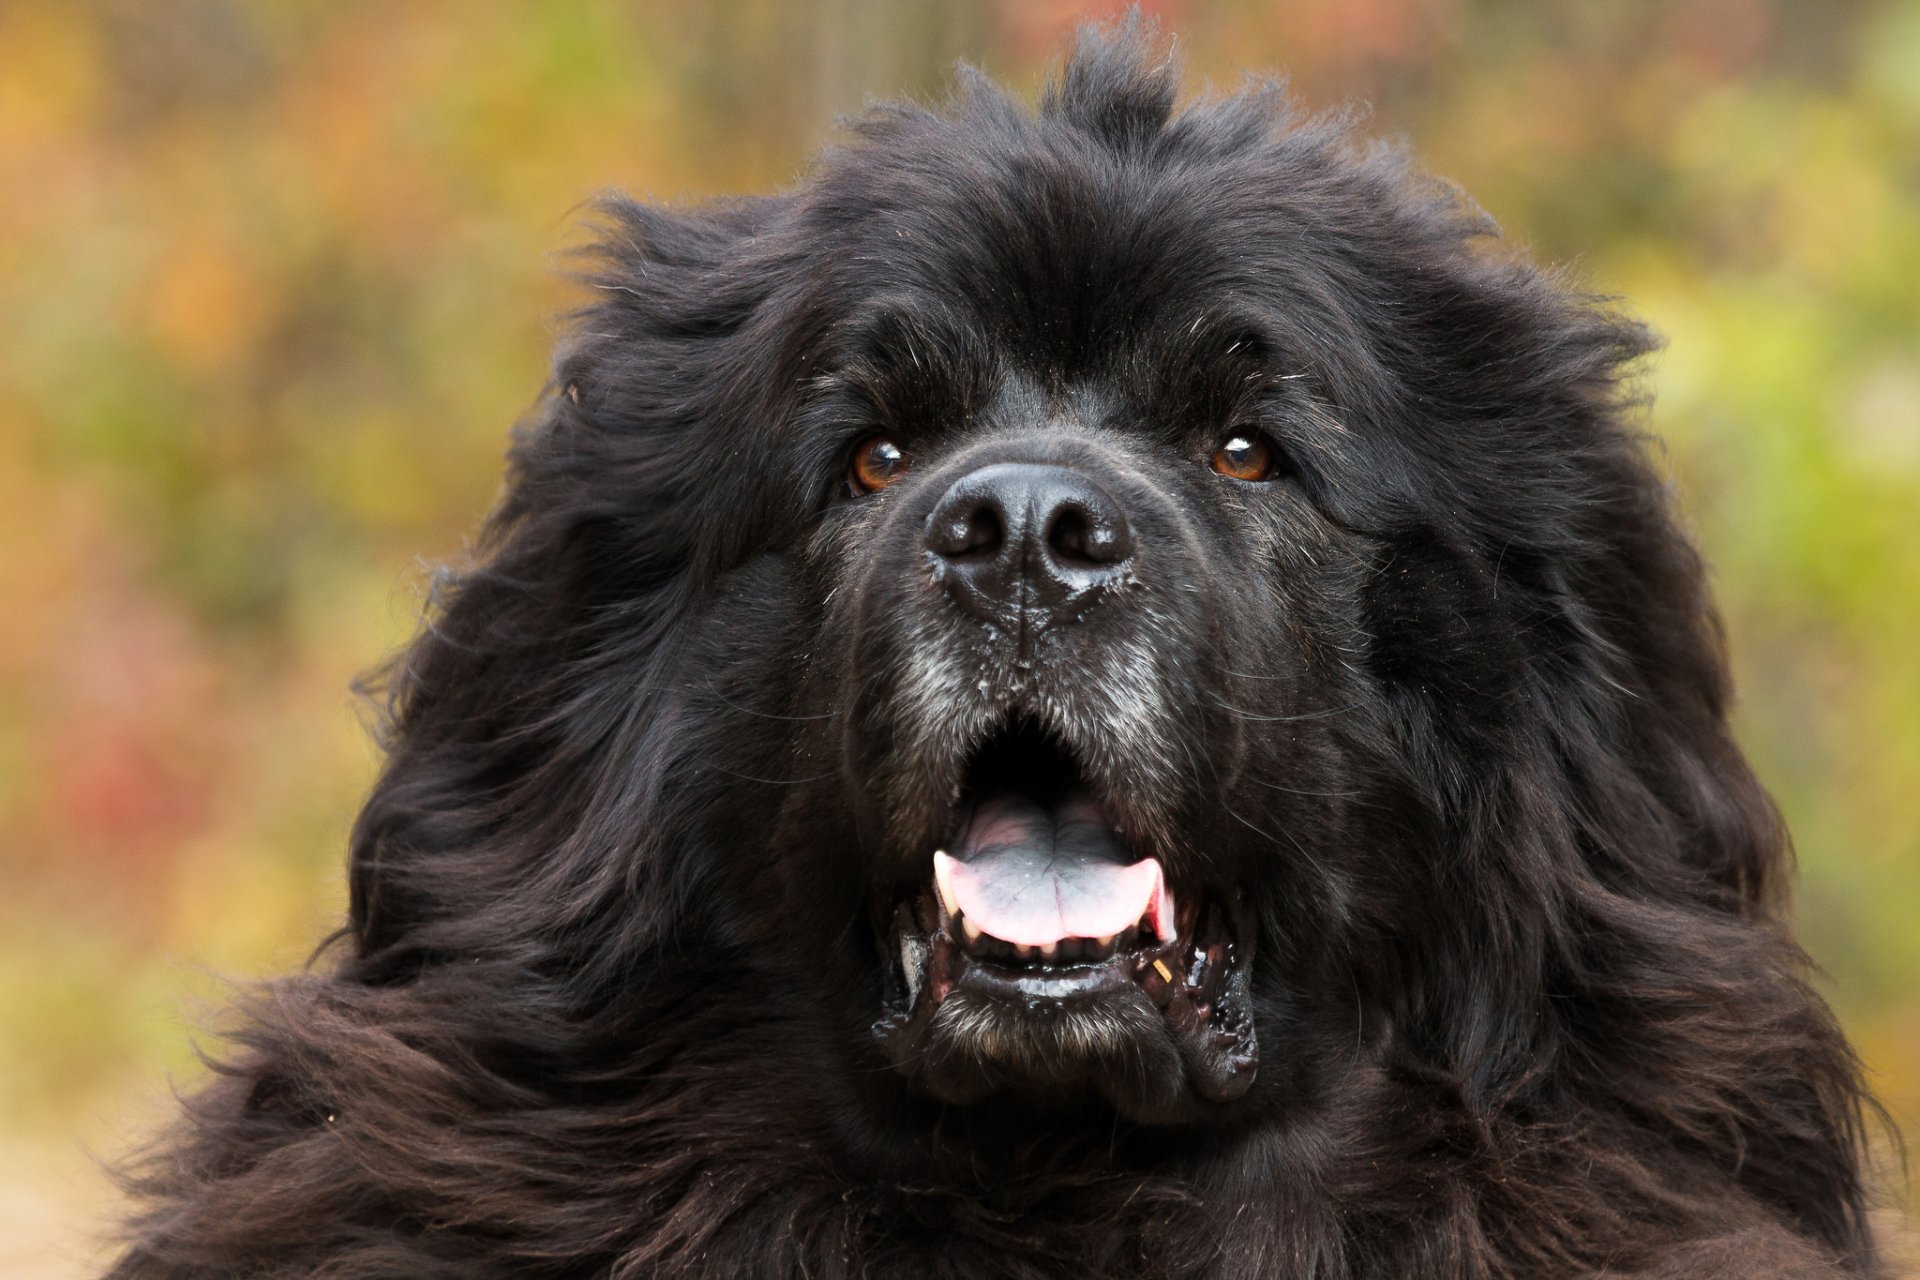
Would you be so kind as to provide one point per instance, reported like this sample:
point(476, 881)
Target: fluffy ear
point(527, 724)
point(1624, 857)
point(1572, 556)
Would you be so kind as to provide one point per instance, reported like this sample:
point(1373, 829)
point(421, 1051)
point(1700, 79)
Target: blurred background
point(276, 278)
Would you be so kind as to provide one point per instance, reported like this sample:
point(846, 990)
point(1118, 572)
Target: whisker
point(1243, 714)
point(764, 715)
point(1296, 791)
point(769, 782)
point(1297, 847)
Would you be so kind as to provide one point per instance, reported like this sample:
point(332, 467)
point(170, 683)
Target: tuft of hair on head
point(1119, 83)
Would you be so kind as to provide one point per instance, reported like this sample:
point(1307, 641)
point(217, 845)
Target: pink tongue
point(1032, 876)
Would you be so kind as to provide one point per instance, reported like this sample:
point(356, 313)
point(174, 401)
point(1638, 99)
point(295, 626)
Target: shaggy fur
point(1442, 705)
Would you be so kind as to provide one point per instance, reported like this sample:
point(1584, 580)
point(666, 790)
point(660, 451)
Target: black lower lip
point(1060, 983)
point(1160, 972)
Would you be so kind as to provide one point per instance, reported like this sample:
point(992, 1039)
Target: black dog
point(1100, 693)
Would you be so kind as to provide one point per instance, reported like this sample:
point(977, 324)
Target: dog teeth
point(943, 881)
point(1160, 914)
point(1060, 950)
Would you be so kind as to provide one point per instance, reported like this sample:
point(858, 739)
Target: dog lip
point(1104, 979)
point(1039, 931)
point(1198, 986)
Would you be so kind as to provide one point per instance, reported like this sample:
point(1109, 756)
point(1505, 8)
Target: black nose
point(1019, 537)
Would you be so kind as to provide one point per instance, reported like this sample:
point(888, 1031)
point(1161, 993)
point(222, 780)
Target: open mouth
point(1035, 913)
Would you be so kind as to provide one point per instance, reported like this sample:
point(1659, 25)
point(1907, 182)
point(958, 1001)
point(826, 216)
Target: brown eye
point(1244, 457)
point(877, 463)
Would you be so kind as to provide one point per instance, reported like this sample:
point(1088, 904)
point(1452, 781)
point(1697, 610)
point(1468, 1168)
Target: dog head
point(1103, 607)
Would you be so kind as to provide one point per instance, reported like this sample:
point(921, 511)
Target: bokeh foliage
point(275, 278)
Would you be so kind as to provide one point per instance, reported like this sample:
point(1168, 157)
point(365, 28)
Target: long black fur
point(1528, 1004)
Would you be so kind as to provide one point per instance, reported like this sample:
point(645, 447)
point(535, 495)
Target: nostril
point(985, 533)
point(976, 534)
point(1077, 539)
point(1067, 536)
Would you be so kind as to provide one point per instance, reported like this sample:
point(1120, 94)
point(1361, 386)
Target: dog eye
point(1244, 457)
point(877, 463)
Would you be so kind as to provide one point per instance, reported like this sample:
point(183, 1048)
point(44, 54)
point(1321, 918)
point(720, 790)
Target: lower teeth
point(985, 946)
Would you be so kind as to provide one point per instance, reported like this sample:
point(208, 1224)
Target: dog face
point(1130, 571)
point(1040, 607)
point(1110, 571)
point(1086, 617)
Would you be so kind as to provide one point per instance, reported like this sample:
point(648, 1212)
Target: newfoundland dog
point(1096, 691)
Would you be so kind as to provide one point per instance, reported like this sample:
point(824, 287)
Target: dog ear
point(528, 725)
point(1521, 392)
point(1624, 855)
